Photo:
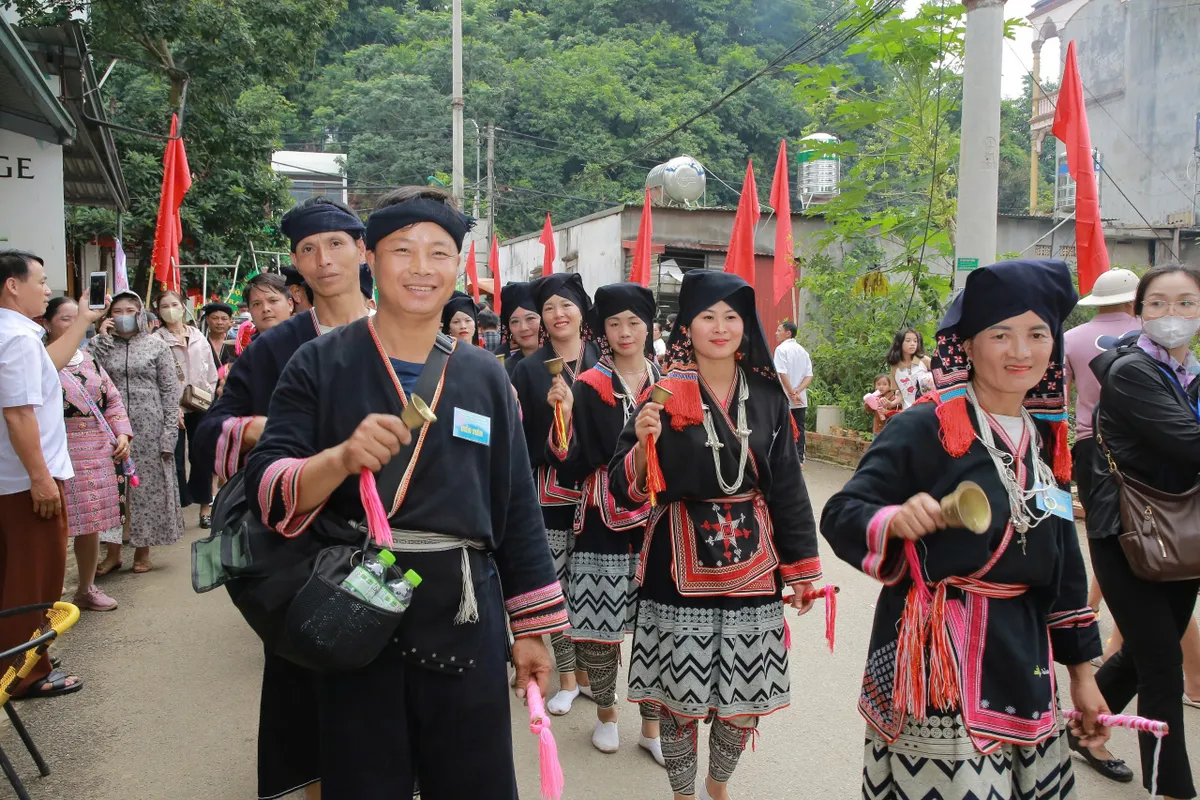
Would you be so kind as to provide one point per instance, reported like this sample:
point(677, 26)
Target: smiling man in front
point(465, 517)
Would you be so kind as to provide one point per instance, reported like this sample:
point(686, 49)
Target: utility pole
point(478, 166)
point(456, 105)
point(979, 154)
point(1035, 146)
point(491, 194)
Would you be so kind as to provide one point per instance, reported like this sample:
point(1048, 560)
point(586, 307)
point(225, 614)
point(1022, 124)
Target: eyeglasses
point(1160, 308)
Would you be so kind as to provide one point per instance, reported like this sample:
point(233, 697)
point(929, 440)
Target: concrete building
point(313, 174)
point(600, 248)
point(55, 149)
point(1138, 61)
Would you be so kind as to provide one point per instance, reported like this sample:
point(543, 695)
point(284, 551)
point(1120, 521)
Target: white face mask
point(171, 315)
point(1171, 332)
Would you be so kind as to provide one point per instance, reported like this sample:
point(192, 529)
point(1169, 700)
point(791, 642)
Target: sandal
point(58, 686)
point(140, 567)
point(107, 567)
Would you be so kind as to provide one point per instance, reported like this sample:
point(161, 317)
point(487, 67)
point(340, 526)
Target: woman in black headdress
point(460, 318)
point(602, 591)
point(731, 527)
point(564, 305)
point(959, 690)
point(520, 323)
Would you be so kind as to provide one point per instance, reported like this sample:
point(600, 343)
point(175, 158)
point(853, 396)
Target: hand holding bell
point(967, 507)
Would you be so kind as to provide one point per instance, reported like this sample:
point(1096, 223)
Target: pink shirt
point(1081, 347)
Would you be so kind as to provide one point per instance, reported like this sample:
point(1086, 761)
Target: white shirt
point(660, 348)
point(793, 360)
point(28, 378)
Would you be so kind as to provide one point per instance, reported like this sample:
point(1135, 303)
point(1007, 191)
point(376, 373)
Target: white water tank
point(820, 174)
point(680, 181)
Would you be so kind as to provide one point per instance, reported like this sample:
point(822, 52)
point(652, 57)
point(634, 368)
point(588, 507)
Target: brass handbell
point(967, 507)
point(416, 413)
point(555, 366)
point(660, 394)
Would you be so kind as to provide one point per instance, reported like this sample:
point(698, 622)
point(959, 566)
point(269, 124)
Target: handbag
point(194, 399)
point(289, 590)
point(1160, 531)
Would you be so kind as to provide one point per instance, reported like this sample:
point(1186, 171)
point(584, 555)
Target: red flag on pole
point(494, 268)
point(168, 230)
point(1071, 128)
point(740, 259)
point(547, 240)
point(473, 273)
point(783, 271)
point(640, 272)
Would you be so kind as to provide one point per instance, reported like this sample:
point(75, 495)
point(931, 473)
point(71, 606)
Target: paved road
point(169, 710)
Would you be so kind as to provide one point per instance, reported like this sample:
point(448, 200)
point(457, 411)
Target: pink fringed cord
point(1151, 726)
point(377, 519)
point(539, 725)
point(829, 593)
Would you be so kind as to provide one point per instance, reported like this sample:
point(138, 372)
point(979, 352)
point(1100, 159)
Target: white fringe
point(468, 607)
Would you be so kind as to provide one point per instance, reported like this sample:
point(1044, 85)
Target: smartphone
point(97, 289)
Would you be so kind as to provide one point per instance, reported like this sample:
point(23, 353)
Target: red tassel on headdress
point(956, 432)
point(1061, 451)
point(601, 383)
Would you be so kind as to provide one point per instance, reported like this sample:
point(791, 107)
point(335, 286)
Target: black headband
point(300, 223)
point(389, 219)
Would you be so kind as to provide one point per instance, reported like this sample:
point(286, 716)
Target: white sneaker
point(654, 748)
point(561, 703)
point(605, 737)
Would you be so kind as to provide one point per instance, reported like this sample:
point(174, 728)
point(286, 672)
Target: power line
point(831, 22)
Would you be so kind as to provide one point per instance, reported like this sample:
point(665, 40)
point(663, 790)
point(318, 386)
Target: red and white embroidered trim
point(877, 541)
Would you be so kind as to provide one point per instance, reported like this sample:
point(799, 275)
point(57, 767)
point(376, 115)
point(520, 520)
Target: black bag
point(266, 573)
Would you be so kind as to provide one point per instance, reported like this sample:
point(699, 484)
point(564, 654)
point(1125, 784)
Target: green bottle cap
point(413, 578)
point(387, 558)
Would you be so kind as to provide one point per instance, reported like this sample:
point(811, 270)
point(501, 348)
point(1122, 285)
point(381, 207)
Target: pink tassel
point(135, 481)
point(787, 634)
point(1151, 726)
point(829, 593)
point(377, 519)
point(539, 725)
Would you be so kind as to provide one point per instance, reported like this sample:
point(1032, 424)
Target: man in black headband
point(463, 515)
point(302, 296)
point(327, 249)
point(218, 319)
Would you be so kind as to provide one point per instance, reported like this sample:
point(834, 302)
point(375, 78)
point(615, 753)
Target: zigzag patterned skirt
point(700, 656)
point(601, 585)
point(936, 760)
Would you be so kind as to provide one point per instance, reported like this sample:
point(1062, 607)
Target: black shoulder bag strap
point(392, 474)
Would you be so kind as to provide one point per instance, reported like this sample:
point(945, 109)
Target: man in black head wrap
point(463, 514)
point(327, 248)
point(302, 296)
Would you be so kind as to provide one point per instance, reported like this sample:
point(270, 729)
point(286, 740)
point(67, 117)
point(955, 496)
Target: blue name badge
point(472, 427)
point(1056, 501)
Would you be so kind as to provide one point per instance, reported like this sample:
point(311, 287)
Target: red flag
point(547, 240)
point(168, 230)
point(494, 268)
point(472, 273)
point(640, 273)
point(740, 258)
point(783, 271)
point(1071, 128)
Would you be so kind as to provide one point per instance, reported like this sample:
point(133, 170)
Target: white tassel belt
point(404, 541)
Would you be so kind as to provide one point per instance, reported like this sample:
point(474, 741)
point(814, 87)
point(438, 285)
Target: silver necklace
point(741, 432)
point(1018, 495)
point(629, 398)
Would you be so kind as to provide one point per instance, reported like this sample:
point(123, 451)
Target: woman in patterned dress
point(731, 528)
point(144, 371)
point(95, 494)
point(959, 690)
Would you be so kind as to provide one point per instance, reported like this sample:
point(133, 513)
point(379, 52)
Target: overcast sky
point(1018, 58)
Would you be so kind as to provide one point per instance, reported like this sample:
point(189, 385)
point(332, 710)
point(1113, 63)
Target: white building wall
point(32, 215)
point(592, 249)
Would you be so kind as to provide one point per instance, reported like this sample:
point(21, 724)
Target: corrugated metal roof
point(92, 173)
point(27, 106)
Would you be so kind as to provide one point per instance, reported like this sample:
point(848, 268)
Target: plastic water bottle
point(366, 580)
point(396, 595)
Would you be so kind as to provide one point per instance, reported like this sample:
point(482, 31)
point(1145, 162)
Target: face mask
point(1171, 332)
point(171, 315)
point(126, 323)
